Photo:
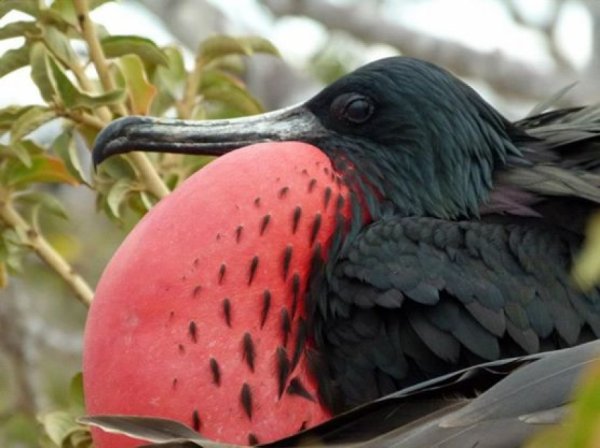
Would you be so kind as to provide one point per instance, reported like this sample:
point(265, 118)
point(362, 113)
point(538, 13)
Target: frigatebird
point(436, 235)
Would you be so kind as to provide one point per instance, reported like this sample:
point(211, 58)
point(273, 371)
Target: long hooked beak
point(208, 137)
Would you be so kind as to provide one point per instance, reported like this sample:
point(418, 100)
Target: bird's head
point(402, 130)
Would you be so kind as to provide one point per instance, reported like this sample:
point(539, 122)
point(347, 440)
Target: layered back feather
point(560, 163)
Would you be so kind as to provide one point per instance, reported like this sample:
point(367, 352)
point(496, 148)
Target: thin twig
point(152, 180)
point(83, 118)
point(146, 171)
point(96, 53)
point(30, 237)
point(186, 107)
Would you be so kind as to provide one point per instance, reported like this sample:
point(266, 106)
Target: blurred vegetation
point(581, 425)
point(86, 78)
point(336, 57)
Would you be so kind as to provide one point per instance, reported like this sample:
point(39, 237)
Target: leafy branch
point(147, 172)
point(135, 76)
point(32, 239)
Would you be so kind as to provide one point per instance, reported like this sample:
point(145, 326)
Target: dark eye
point(353, 108)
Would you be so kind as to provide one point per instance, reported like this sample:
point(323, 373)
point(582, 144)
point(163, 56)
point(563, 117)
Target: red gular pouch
point(199, 316)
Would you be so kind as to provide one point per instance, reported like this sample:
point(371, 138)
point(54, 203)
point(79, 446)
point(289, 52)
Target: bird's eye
point(353, 108)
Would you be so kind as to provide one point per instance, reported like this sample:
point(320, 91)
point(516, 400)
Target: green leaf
point(101, 31)
point(580, 426)
point(76, 393)
point(61, 427)
point(169, 80)
point(240, 100)
point(58, 426)
point(80, 439)
point(258, 44)
point(29, 148)
point(232, 64)
point(117, 195)
point(172, 76)
point(25, 6)
point(15, 264)
point(66, 8)
point(216, 78)
point(28, 122)
point(97, 3)
point(11, 250)
point(219, 46)
point(586, 412)
point(21, 150)
point(40, 71)
point(141, 92)
point(19, 29)
point(586, 270)
point(64, 146)
point(228, 90)
point(13, 60)
point(117, 74)
point(93, 101)
point(118, 168)
point(147, 50)
point(67, 91)
point(3, 275)
point(60, 46)
point(9, 114)
point(146, 200)
point(72, 97)
point(44, 168)
point(46, 201)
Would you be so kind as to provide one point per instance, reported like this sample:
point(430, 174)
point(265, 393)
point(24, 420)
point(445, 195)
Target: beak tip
point(113, 139)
